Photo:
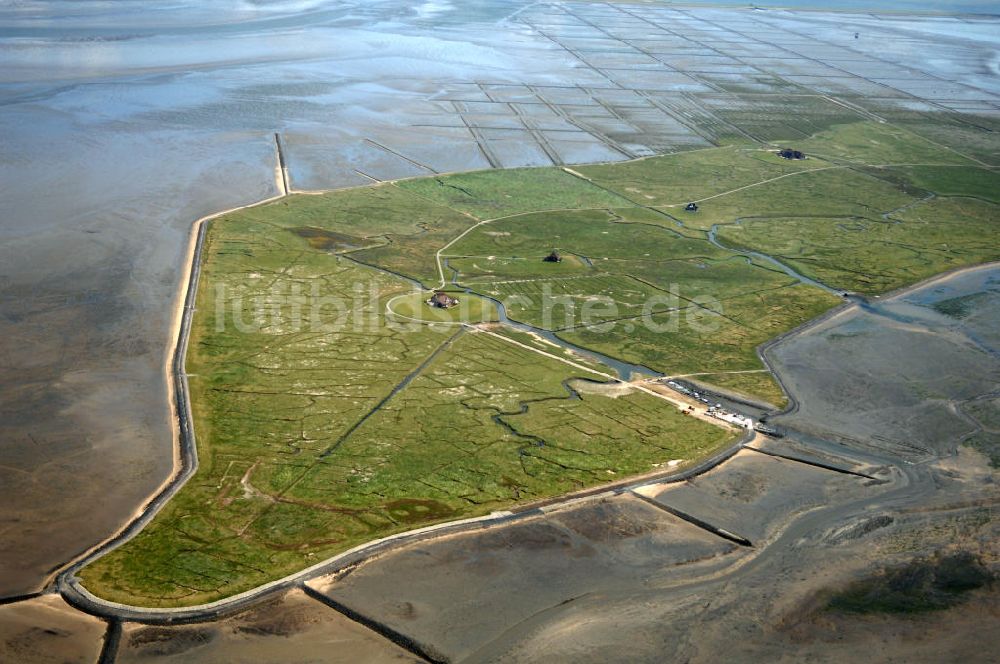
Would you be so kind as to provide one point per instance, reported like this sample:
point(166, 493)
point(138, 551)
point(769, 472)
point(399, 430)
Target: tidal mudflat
point(318, 431)
point(46, 629)
point(123, 125)
point(817, 529)
point(292, 628)
point(499, 582)
point(924, 363)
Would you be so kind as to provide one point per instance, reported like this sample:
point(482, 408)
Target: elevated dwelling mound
point(442, 300)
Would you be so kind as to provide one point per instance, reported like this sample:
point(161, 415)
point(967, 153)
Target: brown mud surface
point(293, 629)
point(46, 630)
point(754, 495)
point(463, 592)
point(121, 131)
point(533, 591)
point(105, 167)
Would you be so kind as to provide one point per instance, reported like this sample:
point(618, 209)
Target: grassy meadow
point(326, 417)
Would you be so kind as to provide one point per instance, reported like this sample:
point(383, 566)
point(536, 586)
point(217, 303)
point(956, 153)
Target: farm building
point(787, 153)
point(442, 300)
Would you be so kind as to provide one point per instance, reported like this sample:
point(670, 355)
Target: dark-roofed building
point(442, 300)
point(554, 257)
point(691, 207)
point(788, 153)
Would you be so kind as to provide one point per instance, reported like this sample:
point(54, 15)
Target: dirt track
point(836, 502)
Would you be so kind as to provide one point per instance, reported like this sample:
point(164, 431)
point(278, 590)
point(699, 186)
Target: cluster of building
point(738, 419)
point(714, 410)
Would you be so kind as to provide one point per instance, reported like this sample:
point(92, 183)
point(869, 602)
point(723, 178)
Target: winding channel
point(713, 238)
point(625, 370)
point(68, 585)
